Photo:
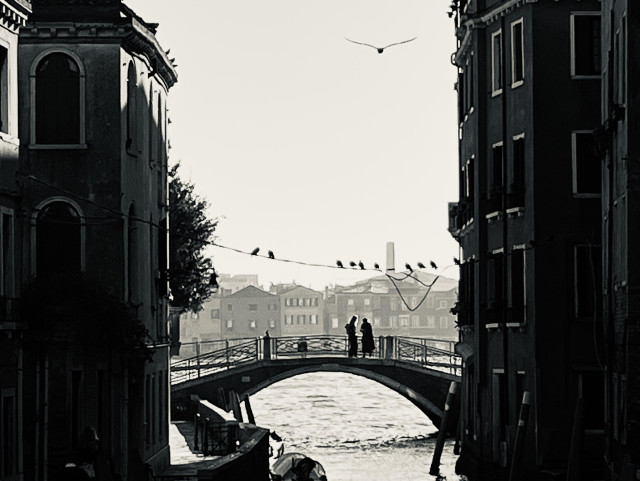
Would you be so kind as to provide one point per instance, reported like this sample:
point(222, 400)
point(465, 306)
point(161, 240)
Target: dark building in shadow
point(619, 145)
point(528, 221)
point(84, 235)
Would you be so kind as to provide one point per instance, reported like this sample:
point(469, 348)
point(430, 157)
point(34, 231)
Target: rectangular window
point(500, 413)
point(229, 307)
point(334, 322)
point(444, 322)
point(496, 185)
point(393, 321)
point(230, 324)
point(496, 63)
point(587, 174)
point(289, 319)
point(350, 302)
point(518, 286)
point(404, 321)
point(367, 301)
point(431, 321)
point(315, 302)
point(8, 435)
point(302, 319)
point(4, 91)
point(518, 174)
point(495, 288)
point(313, 319)
point(585, 45)
point(252, 324)
point(6, 256)
point(215, 313)
point(393, 304)
point(377, 322)
point(587, 281)
point(272, 324)
point(253, 307)
point(517, 53)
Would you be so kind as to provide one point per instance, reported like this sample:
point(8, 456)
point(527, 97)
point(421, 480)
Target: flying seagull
point(381, 49)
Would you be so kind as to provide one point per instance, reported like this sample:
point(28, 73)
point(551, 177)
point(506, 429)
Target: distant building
point(249, 312)
point(301, 311)
point(235, 283)
point(403, 307)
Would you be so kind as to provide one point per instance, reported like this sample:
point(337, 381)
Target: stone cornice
point(482, 20)
point(134, 35)
point(14, 13)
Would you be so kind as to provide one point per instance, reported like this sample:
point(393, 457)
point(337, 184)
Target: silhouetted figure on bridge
point(353, 340)
point(368, 344)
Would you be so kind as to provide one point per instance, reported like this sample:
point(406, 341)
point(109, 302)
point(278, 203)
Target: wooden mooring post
point(247, 406)
point(442, 433)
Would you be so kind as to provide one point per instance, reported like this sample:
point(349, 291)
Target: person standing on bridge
point(368, 344)
point(351, 334)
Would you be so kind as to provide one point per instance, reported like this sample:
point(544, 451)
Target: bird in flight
point(381, 49)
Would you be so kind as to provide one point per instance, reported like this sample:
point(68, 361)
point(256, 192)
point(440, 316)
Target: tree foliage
point(190, 231)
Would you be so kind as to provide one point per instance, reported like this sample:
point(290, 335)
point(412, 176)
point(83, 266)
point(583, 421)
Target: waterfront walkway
point(185, 460)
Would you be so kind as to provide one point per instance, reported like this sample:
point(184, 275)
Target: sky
point(311, 146)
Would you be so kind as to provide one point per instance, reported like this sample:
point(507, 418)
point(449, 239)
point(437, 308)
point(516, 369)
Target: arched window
point(58, 240)
point(132, 86)
point(57, 100)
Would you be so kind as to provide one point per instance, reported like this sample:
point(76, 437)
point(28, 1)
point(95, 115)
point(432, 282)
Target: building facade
point(13, 15)
point(402, 307)
point(528, 224)
point(84, 236)
point(249, 312)
point(301, 311)
point(620, 149)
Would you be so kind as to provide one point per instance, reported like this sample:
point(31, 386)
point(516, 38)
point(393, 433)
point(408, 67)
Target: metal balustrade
point(438, 354)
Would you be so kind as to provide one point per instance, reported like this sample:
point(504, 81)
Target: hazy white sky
point(311, 146)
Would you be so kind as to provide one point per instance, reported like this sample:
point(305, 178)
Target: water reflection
point(357, 428)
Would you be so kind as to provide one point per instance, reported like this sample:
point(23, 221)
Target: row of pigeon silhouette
point(381, 49)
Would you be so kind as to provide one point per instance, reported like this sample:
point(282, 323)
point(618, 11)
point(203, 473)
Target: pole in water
point(521, 432)
point(247, 406)
point(442, 433)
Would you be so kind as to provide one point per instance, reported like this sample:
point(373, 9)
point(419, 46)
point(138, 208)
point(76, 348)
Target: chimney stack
point(391, 261)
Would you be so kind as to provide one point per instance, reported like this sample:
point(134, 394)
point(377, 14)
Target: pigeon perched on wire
point(456, 261)
point(408, 267)
point(361, 265)
point(421, 265)
point(376, 266)
point(255, 251)
point(352, 264)
point(270, 254)
point(381, 49)
point(433, 264)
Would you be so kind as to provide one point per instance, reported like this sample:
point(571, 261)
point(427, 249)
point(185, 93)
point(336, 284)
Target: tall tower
point(93, 174)
point(528, 224)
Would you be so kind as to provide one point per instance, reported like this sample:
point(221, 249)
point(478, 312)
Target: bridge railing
point(205, 364)
point(431, 353)
point(435, 354)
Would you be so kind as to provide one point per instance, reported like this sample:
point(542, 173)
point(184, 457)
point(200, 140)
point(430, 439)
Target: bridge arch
point(423, 403)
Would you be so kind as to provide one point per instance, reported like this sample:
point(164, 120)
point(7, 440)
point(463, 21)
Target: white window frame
point(575, 167)
point(496, 91)
point(520, 82)
point(229, 323)
point(252, 324)
point(572, 39)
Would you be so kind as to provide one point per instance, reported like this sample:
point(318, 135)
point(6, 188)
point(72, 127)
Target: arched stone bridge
point(419, 369)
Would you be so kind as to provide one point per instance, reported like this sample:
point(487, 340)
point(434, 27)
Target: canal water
point(356, 428)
